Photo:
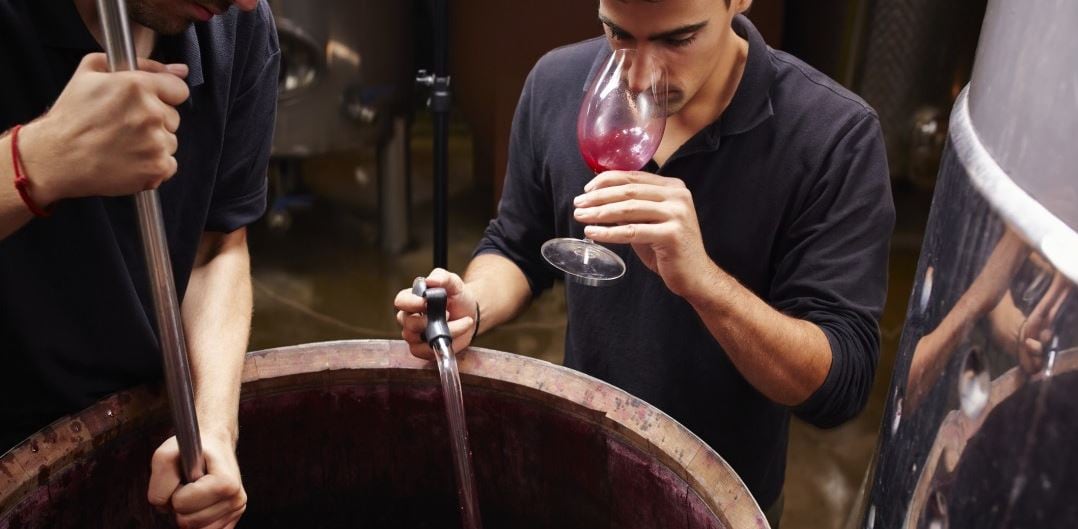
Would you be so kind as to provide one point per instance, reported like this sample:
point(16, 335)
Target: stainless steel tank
point(346, 71)
point(346, 87)
point(982, 417)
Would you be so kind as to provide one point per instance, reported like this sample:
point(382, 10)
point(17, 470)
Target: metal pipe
point(440, 17)
point(441, 96)
point(120, 47)
point(441, 190)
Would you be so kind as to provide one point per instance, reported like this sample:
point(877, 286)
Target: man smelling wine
point(755, 240)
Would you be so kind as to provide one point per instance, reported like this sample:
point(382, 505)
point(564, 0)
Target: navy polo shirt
point(793, 197)
point(76, 314)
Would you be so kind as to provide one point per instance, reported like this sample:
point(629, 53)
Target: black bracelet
point(475, 332)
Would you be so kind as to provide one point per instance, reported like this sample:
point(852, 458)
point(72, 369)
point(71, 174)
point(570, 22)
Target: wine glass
point(619, 128)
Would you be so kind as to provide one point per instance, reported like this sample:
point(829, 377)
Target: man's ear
point(740, 6)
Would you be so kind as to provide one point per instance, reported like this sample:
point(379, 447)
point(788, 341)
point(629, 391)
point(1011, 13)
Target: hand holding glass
point(619, 128)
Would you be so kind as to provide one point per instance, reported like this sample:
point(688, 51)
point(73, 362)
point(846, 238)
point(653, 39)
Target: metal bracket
point(440, 95)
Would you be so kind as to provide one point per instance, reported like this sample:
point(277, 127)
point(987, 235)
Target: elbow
point(834, 409)
point(848, 384)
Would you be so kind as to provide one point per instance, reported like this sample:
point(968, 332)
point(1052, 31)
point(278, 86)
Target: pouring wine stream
point(441, 341)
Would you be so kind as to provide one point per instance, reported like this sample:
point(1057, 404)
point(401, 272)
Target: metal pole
point(439, 83)
point(121, 52)
point(441, 190)
point(440, 106)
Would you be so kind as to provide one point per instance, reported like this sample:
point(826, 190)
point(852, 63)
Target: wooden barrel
point(353, 434)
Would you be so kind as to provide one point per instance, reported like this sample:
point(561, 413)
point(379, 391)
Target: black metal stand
point(440, 97)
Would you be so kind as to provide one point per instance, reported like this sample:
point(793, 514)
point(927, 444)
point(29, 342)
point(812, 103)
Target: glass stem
point(587, 250)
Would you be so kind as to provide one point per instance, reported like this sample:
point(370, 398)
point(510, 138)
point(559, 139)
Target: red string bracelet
point(22, 182)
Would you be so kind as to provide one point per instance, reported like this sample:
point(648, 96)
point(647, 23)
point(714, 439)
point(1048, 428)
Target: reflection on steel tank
point(346, 85)
point(982, 416)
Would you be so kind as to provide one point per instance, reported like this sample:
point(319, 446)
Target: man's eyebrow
point(676, 32)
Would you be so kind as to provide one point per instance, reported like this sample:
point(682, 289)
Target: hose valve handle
point(437, 301)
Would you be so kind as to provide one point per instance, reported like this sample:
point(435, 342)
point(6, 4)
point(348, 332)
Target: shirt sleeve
point(525, 213)
point(239, 196)
point(832, 267)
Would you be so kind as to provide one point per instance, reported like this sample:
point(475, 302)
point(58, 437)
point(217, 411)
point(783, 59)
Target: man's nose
point(643, 71)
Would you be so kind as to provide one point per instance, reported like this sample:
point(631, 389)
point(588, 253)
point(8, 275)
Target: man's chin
point(674, 104)
point(163, 25)
point(170, 28)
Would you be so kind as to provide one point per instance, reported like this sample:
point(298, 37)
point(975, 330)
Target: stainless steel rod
point(120, 47)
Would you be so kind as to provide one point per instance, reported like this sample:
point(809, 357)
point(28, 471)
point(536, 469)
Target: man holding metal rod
point(76, 315)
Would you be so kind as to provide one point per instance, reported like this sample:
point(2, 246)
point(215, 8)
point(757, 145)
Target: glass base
point(584, 262)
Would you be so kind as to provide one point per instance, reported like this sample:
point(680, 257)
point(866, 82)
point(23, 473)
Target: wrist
point(711, 289)
point(476, 320)
point(32, 153)
point(223, 432)
point(470, 295)
point(226, 436)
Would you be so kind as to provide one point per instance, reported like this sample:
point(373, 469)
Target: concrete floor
point(325, 279)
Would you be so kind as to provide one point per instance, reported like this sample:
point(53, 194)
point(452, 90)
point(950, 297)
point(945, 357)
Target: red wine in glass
point(619, 128)
point(624, 150)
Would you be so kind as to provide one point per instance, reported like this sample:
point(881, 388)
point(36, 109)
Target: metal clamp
point(440, 95)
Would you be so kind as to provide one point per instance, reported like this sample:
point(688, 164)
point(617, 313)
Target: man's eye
point(680, 43)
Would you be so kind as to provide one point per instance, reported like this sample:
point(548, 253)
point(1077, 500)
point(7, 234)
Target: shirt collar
point(183, 48)
point(60, 26)
point(751, 104)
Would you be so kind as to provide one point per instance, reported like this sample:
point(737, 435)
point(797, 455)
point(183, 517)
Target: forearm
point(784, 358)
point(933, 350)
point(1005, 321)
point(500, 288)
point(933, 347)
point(217, 321)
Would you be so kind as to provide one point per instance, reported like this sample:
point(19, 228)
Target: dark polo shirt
point(792, 194)
point(76, 314)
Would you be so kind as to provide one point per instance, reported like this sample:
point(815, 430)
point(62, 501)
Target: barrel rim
point(642, 425)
